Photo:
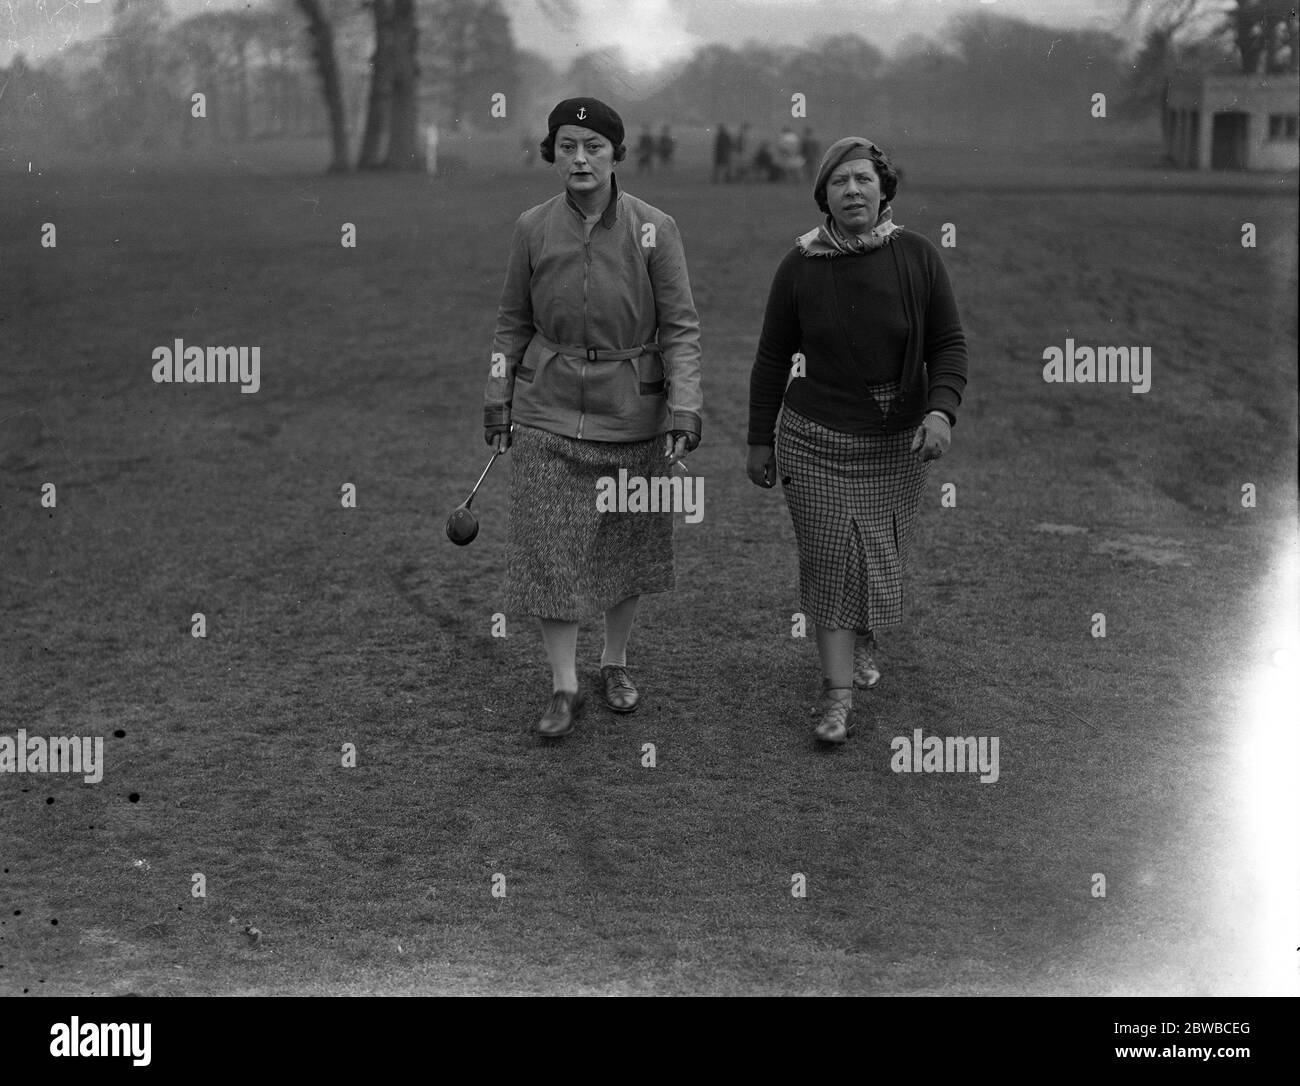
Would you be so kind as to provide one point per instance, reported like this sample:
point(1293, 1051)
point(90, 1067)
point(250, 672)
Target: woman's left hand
point(933, 437)
point(677, 443)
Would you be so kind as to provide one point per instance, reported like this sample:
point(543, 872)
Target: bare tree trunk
point(381, 87)
point(1244, 36)
point(404, 150)
point(327, 66)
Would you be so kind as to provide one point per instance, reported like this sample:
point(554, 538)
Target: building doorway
point(1230, 140)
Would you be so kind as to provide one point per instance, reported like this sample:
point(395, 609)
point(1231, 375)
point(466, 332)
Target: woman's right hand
point(761, 466)
point(498, 437)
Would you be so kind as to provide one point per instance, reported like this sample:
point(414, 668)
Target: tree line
point(373, 71)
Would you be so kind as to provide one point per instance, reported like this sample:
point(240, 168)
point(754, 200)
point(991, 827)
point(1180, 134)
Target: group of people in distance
point(790, 157)
point(650, 147)
point(858, 374)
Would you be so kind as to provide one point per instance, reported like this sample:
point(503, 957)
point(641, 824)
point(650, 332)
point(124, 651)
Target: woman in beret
point(596, 368)
point(864, 313)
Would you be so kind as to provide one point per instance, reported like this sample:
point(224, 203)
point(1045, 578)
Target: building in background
point(1233, 122)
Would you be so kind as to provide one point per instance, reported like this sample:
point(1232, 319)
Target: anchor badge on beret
point(582, 113)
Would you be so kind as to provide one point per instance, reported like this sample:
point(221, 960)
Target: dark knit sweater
point(864, 319)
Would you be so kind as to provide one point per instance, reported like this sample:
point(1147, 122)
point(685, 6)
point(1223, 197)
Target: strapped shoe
point(560, 714)
point(620, 694)
point(817, 706)
point(865, 672)
point(836, 722)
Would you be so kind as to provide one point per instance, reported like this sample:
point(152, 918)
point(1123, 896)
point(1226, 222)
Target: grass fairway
point(1123, 756)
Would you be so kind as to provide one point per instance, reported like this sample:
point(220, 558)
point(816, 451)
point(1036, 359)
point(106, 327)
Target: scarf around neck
point(829, 240)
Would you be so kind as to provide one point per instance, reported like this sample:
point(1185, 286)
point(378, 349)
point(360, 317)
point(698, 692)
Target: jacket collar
point(610, 213)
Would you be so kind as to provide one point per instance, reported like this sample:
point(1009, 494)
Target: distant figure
point(645, 151)
point(738, 152)
point(666, 150)
point(789, 161)
point(765, 165)
point(811, 151)
point(722, 154)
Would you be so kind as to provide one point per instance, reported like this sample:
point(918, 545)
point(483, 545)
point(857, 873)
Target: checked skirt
point(853, 499)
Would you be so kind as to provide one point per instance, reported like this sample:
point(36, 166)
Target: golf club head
point(462, 526)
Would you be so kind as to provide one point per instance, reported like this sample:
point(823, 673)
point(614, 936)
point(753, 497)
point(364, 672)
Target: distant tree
point(218, 46)
point(1018, 72)
point(404, 149)
point(1000, 50)
point(494, 69)
point(470, 55)
point(241, 26)
point(32, 104)
point(278, 76)
point(77, 69)
point(137, 67)
point(536, 83)
point(837, 74)
point(447, 54)
point(391, 138)
point(321, 32)
point(718, 83)
point(916, 47)
point(600, 73)
point(370, 156)
point(843, 55)
point(762, 60)
point(1263, 32)
point(1165, 52)
point(203, 70)
point(1180, 21)
point(537, 75)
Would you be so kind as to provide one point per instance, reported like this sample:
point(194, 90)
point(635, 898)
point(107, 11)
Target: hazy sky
point(650, 31)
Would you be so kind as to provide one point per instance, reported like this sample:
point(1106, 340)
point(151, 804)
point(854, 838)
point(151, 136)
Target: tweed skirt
point(566, 559)
point(853, 499)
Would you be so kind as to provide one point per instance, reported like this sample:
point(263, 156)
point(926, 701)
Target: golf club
point(462, 525)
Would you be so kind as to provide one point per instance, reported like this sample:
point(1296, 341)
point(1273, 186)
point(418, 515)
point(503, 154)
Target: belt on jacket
point(596, 354)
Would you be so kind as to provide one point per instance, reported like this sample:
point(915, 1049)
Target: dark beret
point(589, 113)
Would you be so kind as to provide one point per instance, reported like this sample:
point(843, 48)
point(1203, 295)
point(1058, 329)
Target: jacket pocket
point(650, 374)
point(527, 371)
point(535, 358)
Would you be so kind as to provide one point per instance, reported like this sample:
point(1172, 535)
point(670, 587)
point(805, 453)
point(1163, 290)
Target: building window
point(1283, 126)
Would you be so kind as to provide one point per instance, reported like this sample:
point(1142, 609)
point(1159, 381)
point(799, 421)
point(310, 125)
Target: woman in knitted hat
point(862, 324)
point(595, 370)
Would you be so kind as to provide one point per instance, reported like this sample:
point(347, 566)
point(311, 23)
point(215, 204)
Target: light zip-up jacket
point(597, 336)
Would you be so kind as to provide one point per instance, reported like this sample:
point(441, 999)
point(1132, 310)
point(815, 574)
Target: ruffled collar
point(829, 240)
